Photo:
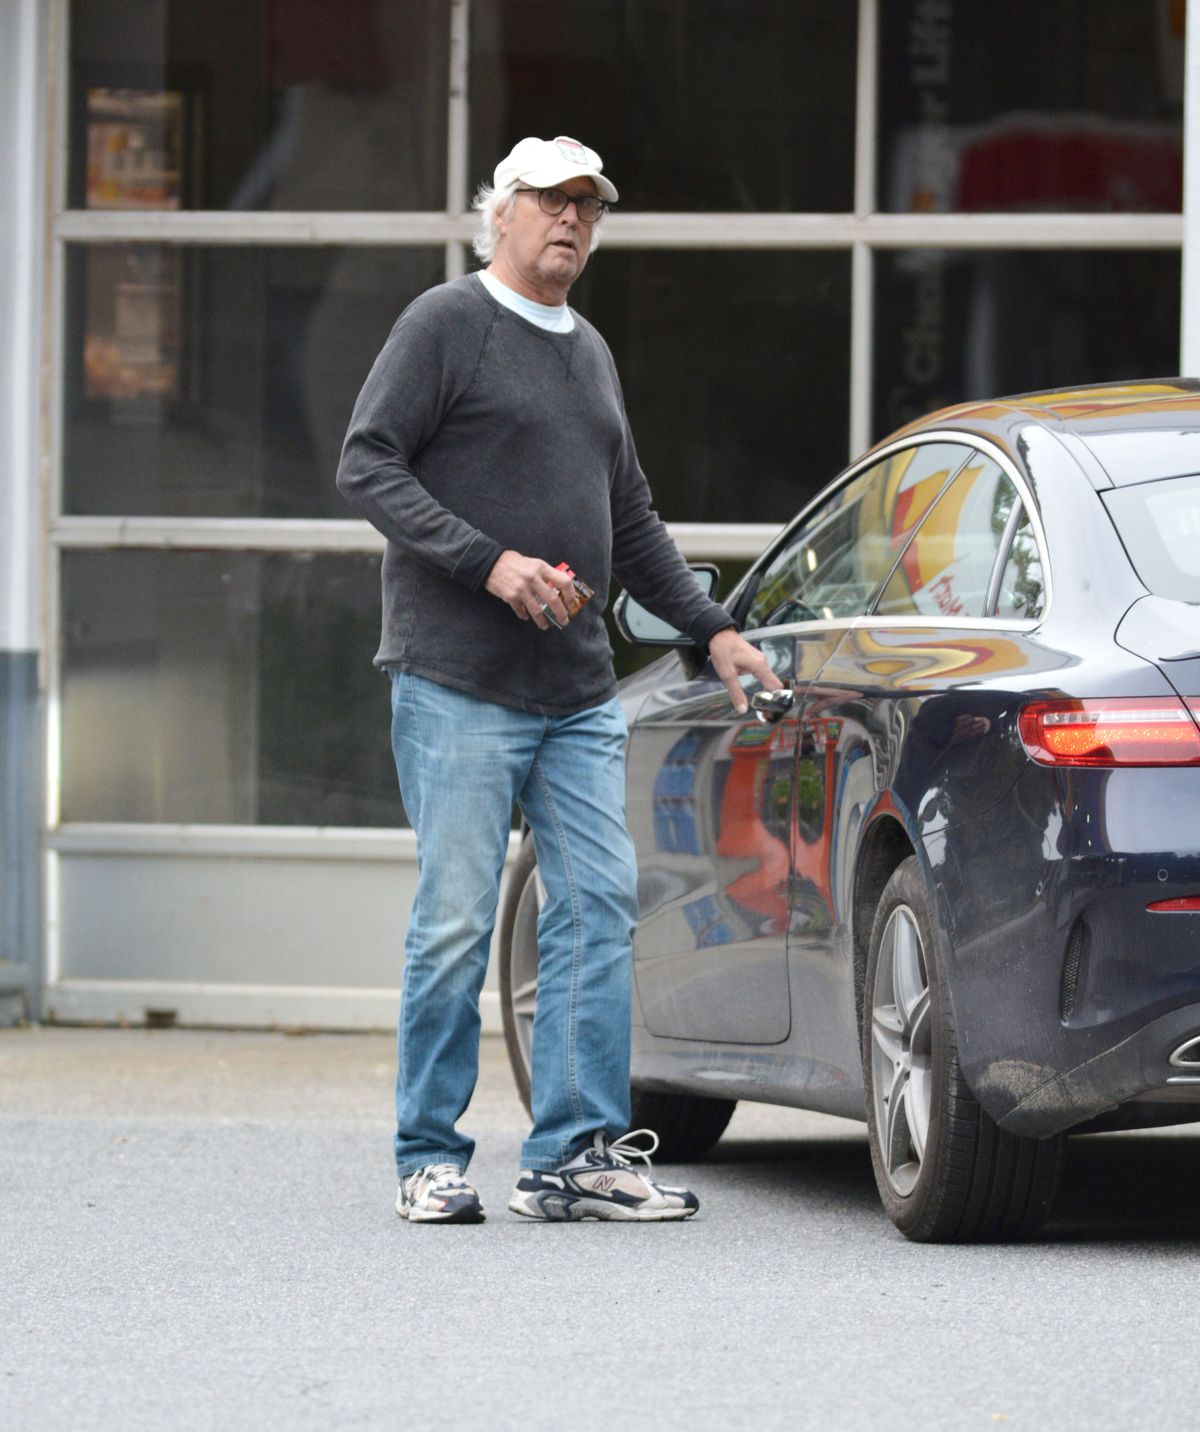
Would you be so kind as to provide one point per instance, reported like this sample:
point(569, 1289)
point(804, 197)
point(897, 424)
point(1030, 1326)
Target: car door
point(900, 717)
point(712, 797)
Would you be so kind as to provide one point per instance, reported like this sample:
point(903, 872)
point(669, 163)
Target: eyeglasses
point(554, 201)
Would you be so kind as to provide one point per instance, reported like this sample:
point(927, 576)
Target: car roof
point(1135, 431)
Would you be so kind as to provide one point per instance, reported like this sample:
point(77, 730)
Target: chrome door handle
point(769, 706)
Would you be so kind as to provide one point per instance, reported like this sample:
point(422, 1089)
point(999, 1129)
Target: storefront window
point(224, 687)
point(735, 369)
point(693, 104)
point(233, 687)
point(1024, 107)
point(281, 104)
point(218, 381)
point(953, 325)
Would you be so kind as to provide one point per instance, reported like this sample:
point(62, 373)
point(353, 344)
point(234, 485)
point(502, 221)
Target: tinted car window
point(947, 567)
point(832, 565)
point(1022, 590)
point(1159, 523)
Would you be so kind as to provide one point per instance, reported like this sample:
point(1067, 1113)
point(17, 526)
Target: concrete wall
point(251, 927)
point(23, 73)
point(20, 821)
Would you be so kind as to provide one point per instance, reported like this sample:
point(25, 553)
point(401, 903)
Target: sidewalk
point(200, 1234)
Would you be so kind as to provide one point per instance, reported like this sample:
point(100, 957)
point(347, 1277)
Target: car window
point(1022, 590)
point(832, 565)
point(1159, 523)
point(947, 567)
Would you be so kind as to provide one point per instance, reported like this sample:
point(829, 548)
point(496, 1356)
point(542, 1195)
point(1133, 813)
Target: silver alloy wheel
point(524, 966)
point(901, 1050)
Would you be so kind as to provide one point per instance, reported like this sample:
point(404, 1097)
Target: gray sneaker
point(438, 1193)
point(602, 1182)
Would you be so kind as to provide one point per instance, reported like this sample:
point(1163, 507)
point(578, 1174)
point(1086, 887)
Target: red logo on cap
point(571, 150)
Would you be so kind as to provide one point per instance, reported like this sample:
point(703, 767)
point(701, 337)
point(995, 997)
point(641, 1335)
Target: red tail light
point(1181, 905)
point(1120, 731)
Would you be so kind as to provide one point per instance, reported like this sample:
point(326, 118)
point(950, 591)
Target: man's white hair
point(490, 204)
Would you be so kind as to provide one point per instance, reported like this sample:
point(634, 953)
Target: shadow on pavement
point(843, 1153)
point(1115, 1188)
point(827, 1170)
point(1128, 1188)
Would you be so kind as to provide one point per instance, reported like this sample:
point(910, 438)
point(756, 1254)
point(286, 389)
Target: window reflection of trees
point(1021, 585)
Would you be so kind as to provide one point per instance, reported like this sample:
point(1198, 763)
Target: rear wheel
point(687, 1126)
point(945, 1171)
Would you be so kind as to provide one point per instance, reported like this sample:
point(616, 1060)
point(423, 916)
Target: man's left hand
point(732, 656)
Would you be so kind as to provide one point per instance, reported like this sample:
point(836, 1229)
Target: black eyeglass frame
point(602, 205)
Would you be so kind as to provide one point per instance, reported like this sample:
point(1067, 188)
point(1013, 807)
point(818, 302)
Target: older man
point(489, 446)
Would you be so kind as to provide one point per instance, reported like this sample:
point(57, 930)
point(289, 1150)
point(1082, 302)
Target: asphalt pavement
point(198, 1233)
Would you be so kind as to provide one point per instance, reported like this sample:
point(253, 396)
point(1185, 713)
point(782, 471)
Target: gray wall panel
point(235, 920)
point(20, 834)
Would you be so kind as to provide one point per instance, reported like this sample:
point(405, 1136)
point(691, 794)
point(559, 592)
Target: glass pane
point(1159, 523)
point(833, 564)
point(692, 104)
point(274, 105)
point(224, 687)
point(735, 369)
point(946, 568)
point(1022, 586)
point(956, 325)
point(218, 381)
point(1025, 106)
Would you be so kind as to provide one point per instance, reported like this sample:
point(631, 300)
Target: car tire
point(945, 1172)
point(687, 1125)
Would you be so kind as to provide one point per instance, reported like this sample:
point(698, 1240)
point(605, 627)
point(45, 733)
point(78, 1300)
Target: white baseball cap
point(546, 162)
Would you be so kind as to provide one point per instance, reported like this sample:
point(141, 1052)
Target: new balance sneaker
point(438, 1193)
point(602, 1182)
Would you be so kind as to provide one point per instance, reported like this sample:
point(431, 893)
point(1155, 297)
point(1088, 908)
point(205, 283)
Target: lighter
point(573, 601)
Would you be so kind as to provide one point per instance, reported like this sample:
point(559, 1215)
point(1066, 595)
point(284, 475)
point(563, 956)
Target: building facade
point(834, 216)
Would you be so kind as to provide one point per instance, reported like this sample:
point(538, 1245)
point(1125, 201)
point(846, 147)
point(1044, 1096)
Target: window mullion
point(862, 337)
point(457, 130)
point(268, 534)
point(866, 108)
point(862, 344)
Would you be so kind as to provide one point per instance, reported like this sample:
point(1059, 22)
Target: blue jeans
point(462, 762)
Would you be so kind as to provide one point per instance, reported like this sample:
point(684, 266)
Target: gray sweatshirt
point(477, 431)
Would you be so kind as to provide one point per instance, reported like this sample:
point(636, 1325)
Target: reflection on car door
point(718, 803)
point(903, 707)
point(709, 804)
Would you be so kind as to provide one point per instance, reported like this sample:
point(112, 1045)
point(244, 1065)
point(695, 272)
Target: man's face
point(545, 252)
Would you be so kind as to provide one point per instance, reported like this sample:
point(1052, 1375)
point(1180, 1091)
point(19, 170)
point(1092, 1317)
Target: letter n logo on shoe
point(604, 1182)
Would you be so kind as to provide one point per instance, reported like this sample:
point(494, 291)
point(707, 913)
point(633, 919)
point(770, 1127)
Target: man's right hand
point(525, 583)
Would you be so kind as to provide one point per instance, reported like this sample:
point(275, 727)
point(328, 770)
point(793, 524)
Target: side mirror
point(642, 628)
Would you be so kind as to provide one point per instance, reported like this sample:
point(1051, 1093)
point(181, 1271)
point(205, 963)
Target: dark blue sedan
point(948, 879)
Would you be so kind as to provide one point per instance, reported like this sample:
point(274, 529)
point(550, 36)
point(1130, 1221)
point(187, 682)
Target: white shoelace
point(444, 1176)
point(624, 1151)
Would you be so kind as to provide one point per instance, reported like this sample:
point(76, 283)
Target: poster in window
point(136, 148)
point(132, 348)
point(142, 147)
